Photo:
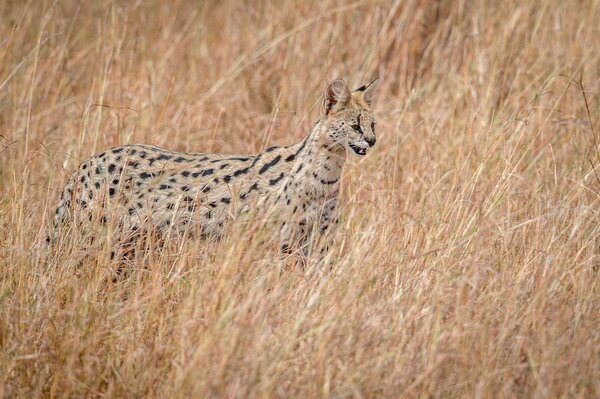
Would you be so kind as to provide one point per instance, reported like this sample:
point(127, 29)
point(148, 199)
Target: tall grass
point(467, 258)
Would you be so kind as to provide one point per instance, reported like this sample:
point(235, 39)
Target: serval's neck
point(322, 160)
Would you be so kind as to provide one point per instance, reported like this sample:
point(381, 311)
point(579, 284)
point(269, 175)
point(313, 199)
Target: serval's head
point(348, 117)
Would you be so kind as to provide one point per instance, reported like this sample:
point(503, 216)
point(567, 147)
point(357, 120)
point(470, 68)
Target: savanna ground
point(467, 259)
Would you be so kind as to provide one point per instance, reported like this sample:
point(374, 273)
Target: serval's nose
point(371, 141)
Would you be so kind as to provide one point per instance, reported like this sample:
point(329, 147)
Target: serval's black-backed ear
point(367, 91)
point(337, 96)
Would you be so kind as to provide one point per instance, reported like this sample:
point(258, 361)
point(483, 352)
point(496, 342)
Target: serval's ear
point(367, 91)
point(337, 96)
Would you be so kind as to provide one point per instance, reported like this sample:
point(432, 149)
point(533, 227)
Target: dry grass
point(467, 262)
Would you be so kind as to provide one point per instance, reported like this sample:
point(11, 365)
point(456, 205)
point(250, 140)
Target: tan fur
point(296, 187)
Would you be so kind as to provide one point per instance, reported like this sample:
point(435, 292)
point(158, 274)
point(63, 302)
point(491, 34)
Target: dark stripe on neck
point(268, 165)
point(292, 157)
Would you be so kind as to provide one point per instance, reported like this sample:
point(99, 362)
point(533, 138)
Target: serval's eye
point(373, 127)
point(357, 128)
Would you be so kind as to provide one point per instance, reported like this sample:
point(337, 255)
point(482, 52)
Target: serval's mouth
point(358, 149)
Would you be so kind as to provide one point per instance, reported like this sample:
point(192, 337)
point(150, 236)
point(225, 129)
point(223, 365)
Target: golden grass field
point(467, 260)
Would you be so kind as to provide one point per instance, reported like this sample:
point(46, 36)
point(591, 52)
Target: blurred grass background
point(467, 258)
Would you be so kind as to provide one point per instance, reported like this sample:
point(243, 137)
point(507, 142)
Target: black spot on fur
point(205, 189)
point(131, 211)
point(82, 179)
point(252, 188)
point(117, 150)
point(143, 154)
point(269, 165)
point(111, 191)
point(272, 182)
point(145, 175)
point(188, 199)
point(212, 204)
point(179, 159)
point(163, 157)
point(84, 166)
point(111, 168)
point(173, 180)
point(165, 187)
point(170, 206)
point(223, 166)
point(227, 179)
point(291, 157)
point(235, 159)
point(185, 173)
point(185, 188)
point(226, 200)
point(241, 172)
point(97, 185)
point(328, 182)
point(115, 182)
point(271, 148)
point(207, 172)
point(255, 160)
point(98, 170)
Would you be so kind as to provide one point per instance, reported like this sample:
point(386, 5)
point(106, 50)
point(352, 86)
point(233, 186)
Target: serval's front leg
point(318, 237)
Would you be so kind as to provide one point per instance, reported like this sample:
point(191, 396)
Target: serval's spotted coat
point(295, 187)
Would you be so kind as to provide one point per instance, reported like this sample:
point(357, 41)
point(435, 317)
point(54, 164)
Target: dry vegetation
point(467, 261)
